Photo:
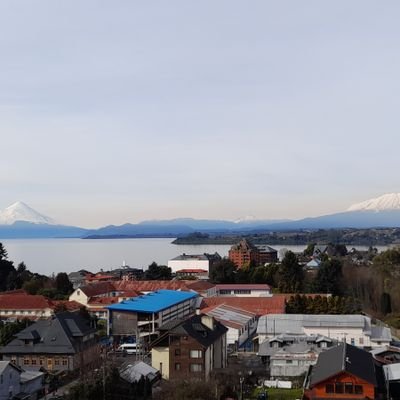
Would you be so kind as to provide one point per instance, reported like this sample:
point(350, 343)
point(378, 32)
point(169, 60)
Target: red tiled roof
point(98, 288)
point(16, 291)
point(69, 305)
point(192, 271)
point(247, 286)
point(24, 302)
point(256, 305)
point(150, 286)
point(199, 286)
point(103, 300)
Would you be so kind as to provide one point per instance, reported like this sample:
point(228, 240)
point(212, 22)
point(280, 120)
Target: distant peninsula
point(356, 237)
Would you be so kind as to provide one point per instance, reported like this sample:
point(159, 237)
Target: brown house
point(190, 349)
point(245, 253)
point(343, 372)
point(62, 343)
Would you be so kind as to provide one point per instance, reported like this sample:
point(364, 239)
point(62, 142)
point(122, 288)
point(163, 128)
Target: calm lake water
point(48, 256)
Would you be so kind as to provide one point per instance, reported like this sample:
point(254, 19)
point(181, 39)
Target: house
point(392, 378)
point(10, 380)
point(83, 294)
point(288, 355)
point(193, 261)
point(64, 342)
point(354, 329)
point(342, 372)
point(23, 305)
point(244, 290)
point(241, 324)
point(32, 383)
point(143, 315)
point(313, 264)
point(190, 348)
point(133, 372)
point(245, 253)
point(386, 354)
point(78, 278)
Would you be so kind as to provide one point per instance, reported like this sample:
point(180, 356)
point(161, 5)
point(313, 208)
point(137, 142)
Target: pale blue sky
point(119, 111)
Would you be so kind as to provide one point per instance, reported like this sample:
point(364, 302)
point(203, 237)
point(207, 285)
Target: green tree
point(63, 284)
point(6, 268)
point(158, 272)
point(290, 274)
point(329, 277)
point(223, 271)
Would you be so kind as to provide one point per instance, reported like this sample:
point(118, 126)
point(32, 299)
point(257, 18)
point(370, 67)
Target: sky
point(122, 111)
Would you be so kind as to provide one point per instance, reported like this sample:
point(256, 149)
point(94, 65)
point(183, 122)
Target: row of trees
point(286, 277)
point(11, 278)
point(302, 304)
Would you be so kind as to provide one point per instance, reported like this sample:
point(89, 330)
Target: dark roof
point(57, 335)
point(344, 358)
point(98, 288)
point(194, 328)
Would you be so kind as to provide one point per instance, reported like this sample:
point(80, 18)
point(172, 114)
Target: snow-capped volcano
point(20, 211)
point(390, 201)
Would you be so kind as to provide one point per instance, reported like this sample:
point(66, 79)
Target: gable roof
point(21, 301)
point(194, 328)
point(344, 358)
point(5, 364)
point(57, 335)
point(230, 316)
point(98, 288)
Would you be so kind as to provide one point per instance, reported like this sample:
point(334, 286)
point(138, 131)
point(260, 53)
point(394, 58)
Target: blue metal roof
point(153, 302)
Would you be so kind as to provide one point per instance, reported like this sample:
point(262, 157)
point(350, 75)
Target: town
point(319, 324)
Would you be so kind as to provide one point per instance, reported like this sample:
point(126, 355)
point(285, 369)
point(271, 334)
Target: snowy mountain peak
point(390, 201)
point(20, 211)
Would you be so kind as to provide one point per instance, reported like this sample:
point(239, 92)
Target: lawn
point(279, 394)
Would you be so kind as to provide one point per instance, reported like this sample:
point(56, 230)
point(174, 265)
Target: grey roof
point(265, 249)
point(294, 323)
point(392, 371)
point(134, 372)
point(30, 375)
point(228, 314)
point(305, 341)
point(5, 364)
point(344, 358)
point(56, 335)
point(380, 333)
point(191, 257)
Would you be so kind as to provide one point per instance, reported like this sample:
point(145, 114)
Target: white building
point(354, 329)
point(244, 290)
point(241, 324)
point(193, 261)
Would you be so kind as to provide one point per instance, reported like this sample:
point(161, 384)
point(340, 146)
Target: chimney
point(208, 321)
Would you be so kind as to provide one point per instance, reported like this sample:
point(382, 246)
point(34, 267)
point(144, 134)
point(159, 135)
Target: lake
point(48, 256)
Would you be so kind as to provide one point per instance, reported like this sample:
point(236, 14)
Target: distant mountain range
point(21, 221)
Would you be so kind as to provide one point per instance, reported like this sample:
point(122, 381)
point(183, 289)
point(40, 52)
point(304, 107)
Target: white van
point(130, 348)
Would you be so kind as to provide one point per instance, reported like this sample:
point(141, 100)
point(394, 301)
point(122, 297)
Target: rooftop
point(247, 286)
point(153, 302)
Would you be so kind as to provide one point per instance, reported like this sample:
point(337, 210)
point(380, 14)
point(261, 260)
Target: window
point(348, 387)
point(195, 353)
point(361, 340)
point(34, 361)
point(26, 361)
point(177, 352)
point(196, 367)
point(289, 361)
point(339, 387)
point(358, 389)
point(41, 361)
point(353, 341)
point(329, 388)
point(177, 366)
point(65, 361)
point(56, 361)
point(49, 363)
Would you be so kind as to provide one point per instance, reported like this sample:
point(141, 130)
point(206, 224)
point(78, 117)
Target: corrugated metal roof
point(392, 371)
point(294, 323)
point(230, 314)
point(133, 372)
point(153, 302)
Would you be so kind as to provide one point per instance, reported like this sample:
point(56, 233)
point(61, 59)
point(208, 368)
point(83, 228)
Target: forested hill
point(356, 237)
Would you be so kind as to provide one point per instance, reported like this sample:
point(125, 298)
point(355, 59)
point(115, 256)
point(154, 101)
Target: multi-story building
point(142, 316)
point(288, 355)
point(193, 262)
point(190, 348)
point(353, 329)
point(244, 290)
point(64, 342)
point(245, 253)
